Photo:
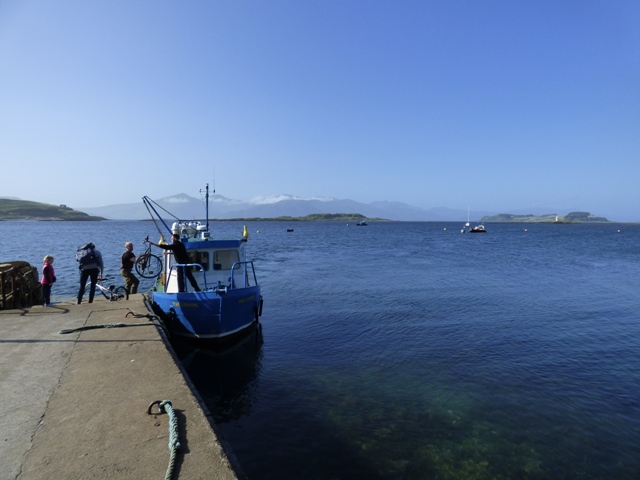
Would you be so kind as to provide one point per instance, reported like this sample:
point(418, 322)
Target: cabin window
point(203, 259)
point(224, 259)
point(200, 257)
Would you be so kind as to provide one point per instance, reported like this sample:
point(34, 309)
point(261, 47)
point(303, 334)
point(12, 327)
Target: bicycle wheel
point(120, 293)
point(149, 266)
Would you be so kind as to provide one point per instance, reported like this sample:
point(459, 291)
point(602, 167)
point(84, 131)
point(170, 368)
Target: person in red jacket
point(48, 279)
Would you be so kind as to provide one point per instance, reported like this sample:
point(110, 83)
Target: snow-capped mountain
point(220, 207)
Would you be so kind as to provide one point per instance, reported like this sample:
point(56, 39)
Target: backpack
point(86, 257)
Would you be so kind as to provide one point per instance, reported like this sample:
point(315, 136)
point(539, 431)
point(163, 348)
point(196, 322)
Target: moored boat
point(478, 229)
point(228, 304)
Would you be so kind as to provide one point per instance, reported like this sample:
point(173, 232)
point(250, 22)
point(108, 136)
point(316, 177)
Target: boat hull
point(210, 317)
point(478, 229)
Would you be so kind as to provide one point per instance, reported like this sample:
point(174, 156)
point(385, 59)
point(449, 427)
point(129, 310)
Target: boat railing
point(245, 271)
point(184, 279)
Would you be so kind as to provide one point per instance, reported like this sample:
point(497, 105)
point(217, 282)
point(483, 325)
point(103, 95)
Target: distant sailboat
point(466, 225)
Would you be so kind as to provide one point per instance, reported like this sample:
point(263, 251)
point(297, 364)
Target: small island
point(314, 217)
point(573, 217)
point(26, 210)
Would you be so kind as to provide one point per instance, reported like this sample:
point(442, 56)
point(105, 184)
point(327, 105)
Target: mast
point(206, 199)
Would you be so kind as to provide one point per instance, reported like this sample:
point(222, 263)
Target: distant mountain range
point(220, 207)
point(185, 207)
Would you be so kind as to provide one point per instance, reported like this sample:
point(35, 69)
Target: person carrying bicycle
point(131, 282)
point(181, 256)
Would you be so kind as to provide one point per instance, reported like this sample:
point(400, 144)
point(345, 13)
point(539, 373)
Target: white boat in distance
point(476, 229)
point(466, 225)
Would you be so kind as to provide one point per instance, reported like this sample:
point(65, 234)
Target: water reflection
point(226, 379)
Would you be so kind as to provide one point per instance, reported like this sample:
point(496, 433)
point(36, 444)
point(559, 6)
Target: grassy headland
point(26, 210)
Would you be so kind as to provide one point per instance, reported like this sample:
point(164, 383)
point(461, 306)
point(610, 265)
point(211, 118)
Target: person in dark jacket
point(181, 256)
point(91, 270)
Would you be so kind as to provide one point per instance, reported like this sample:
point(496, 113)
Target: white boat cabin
point(210, 259)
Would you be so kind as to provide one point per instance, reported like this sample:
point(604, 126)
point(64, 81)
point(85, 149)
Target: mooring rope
point(154, 320)
point(150, 316)
point(109, 325)
point(174, 442)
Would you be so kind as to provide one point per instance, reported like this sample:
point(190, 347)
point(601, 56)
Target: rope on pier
point(174, 443)
point(154, 320)
point(109, 325)
point(150, 316)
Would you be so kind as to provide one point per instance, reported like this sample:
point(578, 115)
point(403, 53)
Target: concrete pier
point(75, 406)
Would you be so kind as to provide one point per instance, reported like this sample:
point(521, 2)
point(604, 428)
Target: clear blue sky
point(495, 105)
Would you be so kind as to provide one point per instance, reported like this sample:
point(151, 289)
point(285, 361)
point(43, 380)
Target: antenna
point(206, 197)
point(206, 203)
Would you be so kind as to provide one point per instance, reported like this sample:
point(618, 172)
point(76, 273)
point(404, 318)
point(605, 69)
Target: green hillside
point(25, 210)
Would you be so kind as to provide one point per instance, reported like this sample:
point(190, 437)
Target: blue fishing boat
point(225, 303)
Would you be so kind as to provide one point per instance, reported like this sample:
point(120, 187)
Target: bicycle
point(148, 265)
point(112, 293)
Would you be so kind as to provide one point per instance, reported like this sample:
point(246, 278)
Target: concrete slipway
point(75, 406)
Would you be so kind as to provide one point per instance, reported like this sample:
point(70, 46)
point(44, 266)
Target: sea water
point(410, 350)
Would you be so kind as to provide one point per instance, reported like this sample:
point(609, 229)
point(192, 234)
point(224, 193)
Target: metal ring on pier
point(157, 402)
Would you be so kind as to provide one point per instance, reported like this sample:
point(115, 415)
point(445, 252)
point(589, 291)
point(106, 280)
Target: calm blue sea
point(411, 351)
